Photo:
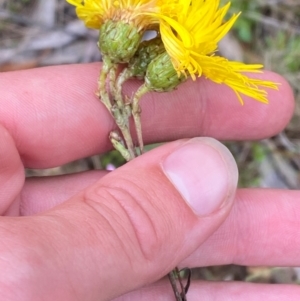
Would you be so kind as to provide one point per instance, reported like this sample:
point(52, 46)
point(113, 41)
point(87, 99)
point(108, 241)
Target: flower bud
point(119, 41)
point(146, 52)
point(161, 75)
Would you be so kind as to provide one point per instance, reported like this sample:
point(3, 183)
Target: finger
point(54, 116)
point(210, 291)
point(245, 291)
point(43, 193)
point(11, 174)
point(262, 229)
point(130, 228)
point(203, 108)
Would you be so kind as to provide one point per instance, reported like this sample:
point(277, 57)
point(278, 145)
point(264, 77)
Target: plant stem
point(102, 91)
point(118, 144)
point(122, 120)
point(120, 111)
point(174, 277)
point(122, 78)
point(136, 113)
point(112, 80)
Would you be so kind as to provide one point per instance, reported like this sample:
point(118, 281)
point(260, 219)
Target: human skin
point(99, 235)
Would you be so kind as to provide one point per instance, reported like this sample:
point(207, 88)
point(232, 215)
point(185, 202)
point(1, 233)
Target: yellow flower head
point(140, 13)
point(191, 39)
point(122, 23)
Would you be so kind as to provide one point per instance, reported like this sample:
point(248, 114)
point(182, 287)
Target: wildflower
point(121, 23)
point(136, 12)
point(191, 39)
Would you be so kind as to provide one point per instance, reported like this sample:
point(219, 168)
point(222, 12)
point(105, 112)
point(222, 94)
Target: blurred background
point(36, 33)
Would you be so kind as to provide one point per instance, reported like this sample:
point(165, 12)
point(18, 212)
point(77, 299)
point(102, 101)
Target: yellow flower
point(122, 23)
point(191, 39)
point(140, 13)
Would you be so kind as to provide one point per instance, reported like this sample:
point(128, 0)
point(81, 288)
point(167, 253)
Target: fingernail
point(204, 173)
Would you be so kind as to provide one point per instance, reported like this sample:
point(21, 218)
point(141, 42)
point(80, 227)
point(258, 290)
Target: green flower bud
point(146, 52)
point(119, 41)
point(161, 75)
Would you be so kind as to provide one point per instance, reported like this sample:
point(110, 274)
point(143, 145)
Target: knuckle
point(133, 216)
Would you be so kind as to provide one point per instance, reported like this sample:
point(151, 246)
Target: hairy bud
point(119, 41)
point(146, 52)
point(161, 75)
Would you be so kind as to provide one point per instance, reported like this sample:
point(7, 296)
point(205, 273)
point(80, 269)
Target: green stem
point(112, 80)
point(122, 121)
point(123, 110)
point(136, 113)
point(122, 78)
point(118, 144)
point(120, 112)
point(102, 91)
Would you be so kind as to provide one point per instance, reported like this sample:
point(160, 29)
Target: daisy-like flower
point(191, 37)
point(191, 40)
point(122, 22)
point(95, 13)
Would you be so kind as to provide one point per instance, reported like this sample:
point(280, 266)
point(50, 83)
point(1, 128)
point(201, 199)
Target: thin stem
point(118, 144)
point(102, 91)
point(122, 78)
point(136, 113)
point(122, 121)
point(112, 80)
point(122, 111)
point(180, 293)
point(173, 280)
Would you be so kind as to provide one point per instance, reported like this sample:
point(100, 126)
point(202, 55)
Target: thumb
point(134, 225)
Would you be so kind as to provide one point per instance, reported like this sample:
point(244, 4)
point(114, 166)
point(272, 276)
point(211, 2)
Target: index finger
point(54, 116)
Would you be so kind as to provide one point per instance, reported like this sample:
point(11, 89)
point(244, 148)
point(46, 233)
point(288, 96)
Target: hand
point(99, 235)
